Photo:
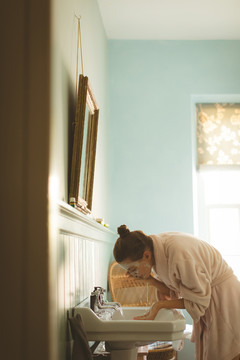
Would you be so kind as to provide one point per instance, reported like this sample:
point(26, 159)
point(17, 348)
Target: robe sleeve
point(194, 284)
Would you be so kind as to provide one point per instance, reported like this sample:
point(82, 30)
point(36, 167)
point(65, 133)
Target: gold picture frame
point(84, 147)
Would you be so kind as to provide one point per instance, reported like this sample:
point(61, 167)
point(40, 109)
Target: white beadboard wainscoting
point(84, 254)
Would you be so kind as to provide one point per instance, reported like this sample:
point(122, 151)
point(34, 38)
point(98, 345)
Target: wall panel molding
point(73, 222)
point(84, 252)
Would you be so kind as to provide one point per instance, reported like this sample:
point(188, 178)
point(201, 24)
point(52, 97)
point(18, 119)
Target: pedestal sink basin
point(124, 335)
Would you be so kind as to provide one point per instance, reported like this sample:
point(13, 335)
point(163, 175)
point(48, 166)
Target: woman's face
point(140, 268)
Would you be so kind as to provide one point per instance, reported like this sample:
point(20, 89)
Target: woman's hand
point(151, 314)
point(154, 309)
point(161, 296)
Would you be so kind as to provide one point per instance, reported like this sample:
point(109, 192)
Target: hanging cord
point(79, 44)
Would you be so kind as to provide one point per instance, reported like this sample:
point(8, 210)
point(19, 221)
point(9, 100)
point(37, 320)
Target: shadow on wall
point(71, 106)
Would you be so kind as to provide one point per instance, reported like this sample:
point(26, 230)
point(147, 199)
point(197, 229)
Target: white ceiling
point(171, 19)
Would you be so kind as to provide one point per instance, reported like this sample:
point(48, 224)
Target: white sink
point(124, 334)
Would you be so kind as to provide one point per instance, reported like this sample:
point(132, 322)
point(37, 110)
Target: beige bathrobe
point(196, 271)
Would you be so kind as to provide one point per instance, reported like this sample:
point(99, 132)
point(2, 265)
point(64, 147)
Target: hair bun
point(123, 230)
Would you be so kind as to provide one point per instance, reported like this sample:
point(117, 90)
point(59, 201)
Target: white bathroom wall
point(80, 248)
point(83, 255)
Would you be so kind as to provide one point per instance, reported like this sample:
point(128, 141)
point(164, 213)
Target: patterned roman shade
point(218, 134)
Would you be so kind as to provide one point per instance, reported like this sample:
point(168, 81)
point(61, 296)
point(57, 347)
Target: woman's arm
point(160, 286)
point(167, 304)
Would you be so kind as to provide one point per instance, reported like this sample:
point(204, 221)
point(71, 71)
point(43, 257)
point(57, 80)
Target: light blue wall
point(64, 26)
point(151, 85)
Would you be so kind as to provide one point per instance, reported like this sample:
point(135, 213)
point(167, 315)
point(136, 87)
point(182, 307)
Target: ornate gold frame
point(84, 147)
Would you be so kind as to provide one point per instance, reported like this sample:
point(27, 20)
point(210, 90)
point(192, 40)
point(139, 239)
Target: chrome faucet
point(97, 302)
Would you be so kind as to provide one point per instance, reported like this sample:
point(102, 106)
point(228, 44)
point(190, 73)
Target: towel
point(81, 349)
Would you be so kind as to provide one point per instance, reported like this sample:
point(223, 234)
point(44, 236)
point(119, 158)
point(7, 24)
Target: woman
point(189, 274)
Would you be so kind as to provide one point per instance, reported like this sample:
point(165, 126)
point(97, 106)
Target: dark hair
point(131, 244)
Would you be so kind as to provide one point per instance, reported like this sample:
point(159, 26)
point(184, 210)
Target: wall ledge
point(74, 222)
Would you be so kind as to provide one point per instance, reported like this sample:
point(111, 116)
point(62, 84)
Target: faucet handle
point(100, 289)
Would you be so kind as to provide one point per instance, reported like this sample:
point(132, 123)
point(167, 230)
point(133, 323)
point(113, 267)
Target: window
point(218, 178)
point(218, 134)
